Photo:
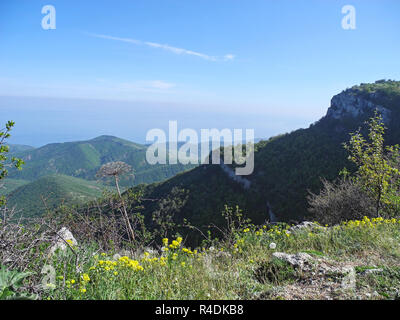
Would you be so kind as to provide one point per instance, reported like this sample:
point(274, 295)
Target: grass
point(314, 252)
point(275, 271)
point(386, 283)
point(243, 269)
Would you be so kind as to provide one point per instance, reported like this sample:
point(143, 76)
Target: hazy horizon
point(101, 117)
point(123, 68)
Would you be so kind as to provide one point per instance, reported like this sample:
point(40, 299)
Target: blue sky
point(124, 67)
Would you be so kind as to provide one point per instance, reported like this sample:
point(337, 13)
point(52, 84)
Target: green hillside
point(14, 148)
point(32, 198)
point(82, 159)
point(286, 166)
point(8, 185)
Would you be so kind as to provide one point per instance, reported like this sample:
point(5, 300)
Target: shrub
point(376, 172)
point(339, 201)
point(373, 190)
point(4, 149)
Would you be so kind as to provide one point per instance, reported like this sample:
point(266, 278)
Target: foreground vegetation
point(240, 267)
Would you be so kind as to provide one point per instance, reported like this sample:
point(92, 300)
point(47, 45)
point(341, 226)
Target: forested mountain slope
point(47, 193)
point(82, 159)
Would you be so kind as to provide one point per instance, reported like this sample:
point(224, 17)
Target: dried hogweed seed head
point(116, 168)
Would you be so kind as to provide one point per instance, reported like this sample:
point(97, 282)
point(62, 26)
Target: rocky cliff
point(350, 103)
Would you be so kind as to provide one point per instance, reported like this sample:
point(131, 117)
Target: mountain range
point(286, 167)
point(82, 159)
point(61, 171)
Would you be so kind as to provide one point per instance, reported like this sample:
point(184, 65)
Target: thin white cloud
point(229, 57)
point(116, 38)
point(175, 50)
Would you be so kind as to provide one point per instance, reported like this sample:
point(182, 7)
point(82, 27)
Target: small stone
point(116, 257)
point(223, 254)
point(305, 225)
point(372, 271)
point(64, 235)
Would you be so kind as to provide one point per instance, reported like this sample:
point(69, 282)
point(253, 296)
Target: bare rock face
point(232, 175)
point(348, 103)
point(64, 235)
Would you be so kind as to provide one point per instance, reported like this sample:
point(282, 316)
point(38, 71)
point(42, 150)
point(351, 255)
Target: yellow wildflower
point(85, 277)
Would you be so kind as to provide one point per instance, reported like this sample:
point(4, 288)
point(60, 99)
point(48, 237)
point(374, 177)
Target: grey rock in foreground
point(296, 260)
point(372, 271)
point(306, 225)
point(63, 236)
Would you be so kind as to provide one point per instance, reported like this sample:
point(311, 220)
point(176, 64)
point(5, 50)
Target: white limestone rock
point(64, 235)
